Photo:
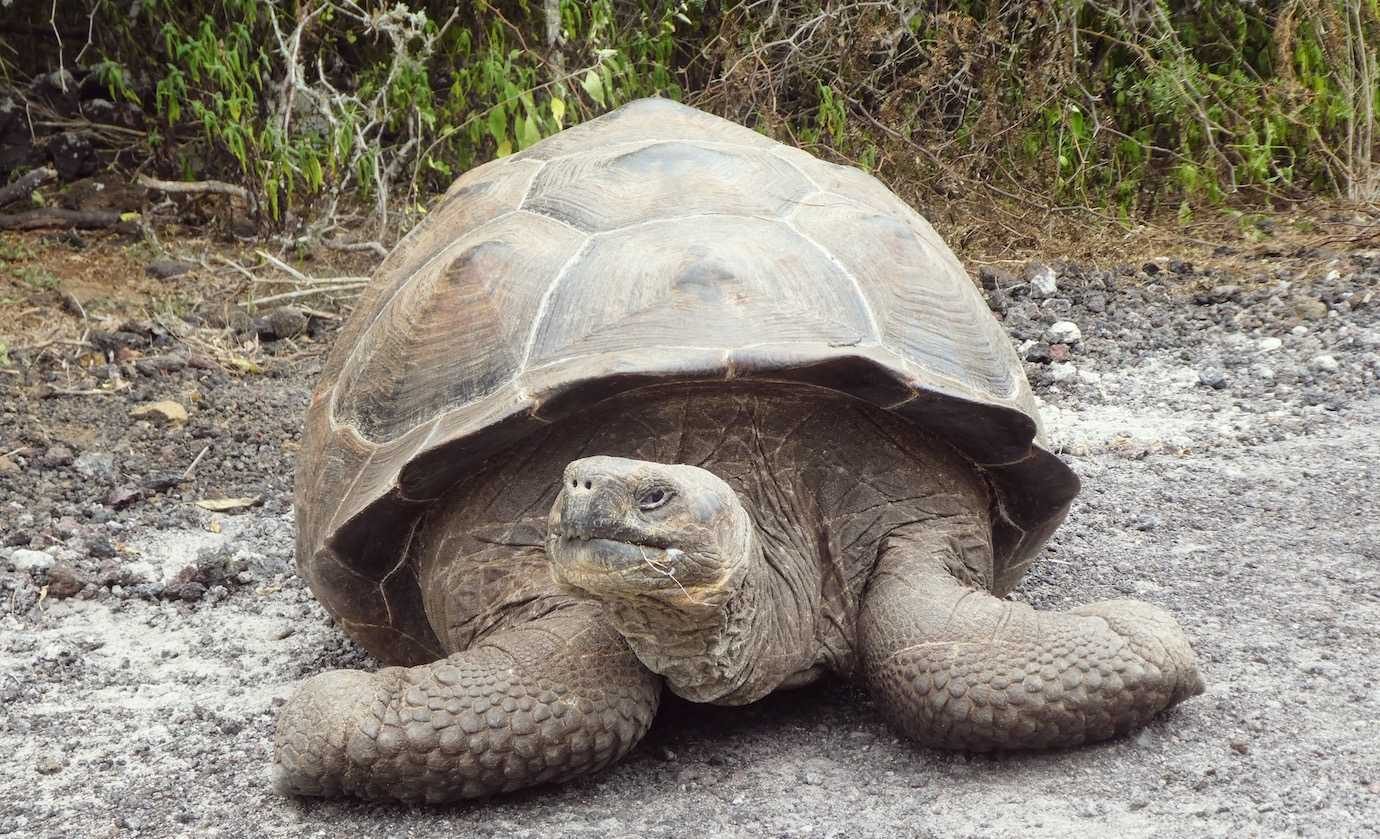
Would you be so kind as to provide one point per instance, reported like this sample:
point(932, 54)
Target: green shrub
point(316, 103)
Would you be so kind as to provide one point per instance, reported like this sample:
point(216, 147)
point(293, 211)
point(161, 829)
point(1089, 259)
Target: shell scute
point(654, 244)
point(628, 185)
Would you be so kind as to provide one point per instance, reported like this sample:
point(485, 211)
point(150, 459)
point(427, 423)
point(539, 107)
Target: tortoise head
point(666, 549)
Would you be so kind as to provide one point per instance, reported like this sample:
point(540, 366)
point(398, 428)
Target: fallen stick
point(374, 247)
point(299, 277)
point(25, 185)
point(56, 217)
point(308, 292)
point(193, 187)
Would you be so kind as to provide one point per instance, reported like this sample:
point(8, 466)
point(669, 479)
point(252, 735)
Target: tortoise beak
point(596, 500)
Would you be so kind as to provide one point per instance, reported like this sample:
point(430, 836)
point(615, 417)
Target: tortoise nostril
point(588, 484)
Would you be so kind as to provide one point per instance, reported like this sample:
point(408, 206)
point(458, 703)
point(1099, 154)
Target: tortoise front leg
point(546, 701)
point(955, 667)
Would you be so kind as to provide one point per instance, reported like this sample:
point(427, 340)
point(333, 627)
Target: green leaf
point(527, 132)
point(498, 124)
point(594, 86)
point(505, 148)
point(558, 110)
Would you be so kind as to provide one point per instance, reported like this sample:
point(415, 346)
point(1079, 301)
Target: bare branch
point(188, 187)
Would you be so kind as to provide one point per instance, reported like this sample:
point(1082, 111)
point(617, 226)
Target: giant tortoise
point(660, 402)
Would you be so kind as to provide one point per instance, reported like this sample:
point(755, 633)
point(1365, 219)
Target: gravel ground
point(1224, 423)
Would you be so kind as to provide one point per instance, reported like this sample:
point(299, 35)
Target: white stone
point(26, 560)
point(1063, 371)
point(1269, 344)
point(140, 572)
point(1262, 372)
point(1325, 363)
point(1300, 330)
point(1043, 282)
point(1063, 332)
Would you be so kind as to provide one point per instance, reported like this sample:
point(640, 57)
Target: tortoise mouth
point(605, 554)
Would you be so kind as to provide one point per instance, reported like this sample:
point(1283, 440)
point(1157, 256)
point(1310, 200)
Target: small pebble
point(1062, 371)
point(57, 456)
point(1310, 309)
point(1146, 522)
point(1269, 344)
point(166, 269)
point(1213, 377)
point(1324, 363)
point(63, 581)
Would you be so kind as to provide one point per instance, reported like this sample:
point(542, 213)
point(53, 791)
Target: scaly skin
point(555, 698)
point(954, 667)
point(820, 534)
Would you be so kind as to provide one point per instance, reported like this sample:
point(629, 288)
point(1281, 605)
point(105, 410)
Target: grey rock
point(1213, 377)
point(1146, 522)
point(122, 497)
point(25, 560)
point(96, 466)
point(139, 573)
point(281, 323)
point(1269, 344)
point(73, 156)
point(166, 269)
point(57, 456)
point(64, 581)
point(1219, 294)
point(156, 364)
point(1036, 351)
point(1310, 309)
point(48, 764)
point(1324, 363)
point(1062, 371)
point(994, 278)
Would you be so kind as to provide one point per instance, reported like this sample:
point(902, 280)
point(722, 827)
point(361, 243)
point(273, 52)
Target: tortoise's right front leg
point(546, 701)
point(955, 667)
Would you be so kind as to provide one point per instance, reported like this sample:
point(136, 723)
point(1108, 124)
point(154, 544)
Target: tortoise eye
point(653, 498)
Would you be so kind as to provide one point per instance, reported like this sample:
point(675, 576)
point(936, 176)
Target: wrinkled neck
point(730, 652)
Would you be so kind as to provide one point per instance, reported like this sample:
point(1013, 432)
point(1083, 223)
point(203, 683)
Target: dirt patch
point(1224, 423)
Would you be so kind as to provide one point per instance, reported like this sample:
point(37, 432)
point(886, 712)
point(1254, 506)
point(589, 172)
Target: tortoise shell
point(654, 244)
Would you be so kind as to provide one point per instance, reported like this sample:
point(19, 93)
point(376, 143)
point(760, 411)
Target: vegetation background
point(331, 111)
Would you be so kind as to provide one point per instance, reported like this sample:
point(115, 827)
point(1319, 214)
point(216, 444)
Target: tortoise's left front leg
point(955, 667)
point(544, 701)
